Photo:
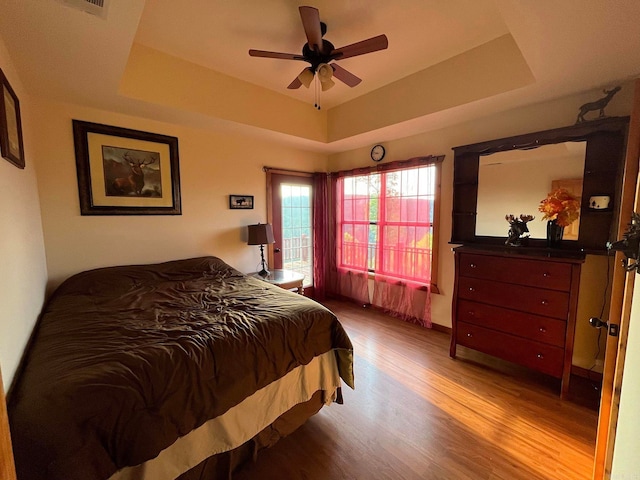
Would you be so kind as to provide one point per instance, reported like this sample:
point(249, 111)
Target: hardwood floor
point(418, 414)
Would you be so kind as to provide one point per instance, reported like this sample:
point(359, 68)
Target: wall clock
point(377, 153)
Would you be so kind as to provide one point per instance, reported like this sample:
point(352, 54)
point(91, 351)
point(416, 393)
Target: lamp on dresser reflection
point(261, 234)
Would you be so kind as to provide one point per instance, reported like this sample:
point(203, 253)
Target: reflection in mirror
point(515, 181)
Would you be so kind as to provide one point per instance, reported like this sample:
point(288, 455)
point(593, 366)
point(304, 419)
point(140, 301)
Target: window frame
point(436, 163)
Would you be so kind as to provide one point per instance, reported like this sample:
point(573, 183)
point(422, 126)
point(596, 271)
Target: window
point(297, 238)
point(386, 222)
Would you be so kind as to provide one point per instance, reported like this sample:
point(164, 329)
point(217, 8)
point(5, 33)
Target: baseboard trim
point(586, 373)
point(441, 328)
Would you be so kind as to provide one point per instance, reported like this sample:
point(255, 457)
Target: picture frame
point(11, 143)
point(126, 172)
point(241, 202)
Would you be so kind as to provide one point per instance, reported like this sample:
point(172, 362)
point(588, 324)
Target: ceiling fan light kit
point(319, 53)
point(325, 72)
point(306, 77)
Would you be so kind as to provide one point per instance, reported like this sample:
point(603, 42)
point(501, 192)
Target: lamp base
point(264, 272)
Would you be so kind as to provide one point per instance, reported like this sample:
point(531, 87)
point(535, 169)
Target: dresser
point(518, 306)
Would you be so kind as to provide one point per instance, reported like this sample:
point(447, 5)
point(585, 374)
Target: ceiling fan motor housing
point(316, 58)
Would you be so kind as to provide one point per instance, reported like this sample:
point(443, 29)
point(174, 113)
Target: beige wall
point(23, 272)
point(212, 166)
point(162, 79)
point(626, 461)
point(557, 113)
point(489, 69)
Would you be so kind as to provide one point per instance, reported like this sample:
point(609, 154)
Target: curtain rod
point(289, 172)
point(390, 166)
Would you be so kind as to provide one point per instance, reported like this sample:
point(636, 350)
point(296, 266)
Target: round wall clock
point(377, 153)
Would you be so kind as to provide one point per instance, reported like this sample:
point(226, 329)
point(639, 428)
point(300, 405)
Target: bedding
point(131, 367)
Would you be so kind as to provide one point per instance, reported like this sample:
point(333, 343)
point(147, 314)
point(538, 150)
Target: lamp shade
point(260, 234)
point(306, 77)
point(325, 72)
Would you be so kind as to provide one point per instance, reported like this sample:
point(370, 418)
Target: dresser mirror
point(515, 181)
point(602, 145)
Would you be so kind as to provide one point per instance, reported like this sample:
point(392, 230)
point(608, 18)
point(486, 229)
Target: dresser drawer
point(538, 356)
point(535, 273)
point(549, 303)
point(534, 327)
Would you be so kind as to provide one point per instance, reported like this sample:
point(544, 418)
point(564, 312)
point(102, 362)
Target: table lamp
point(261, 234)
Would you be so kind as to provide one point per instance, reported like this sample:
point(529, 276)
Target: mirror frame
point(603, 169)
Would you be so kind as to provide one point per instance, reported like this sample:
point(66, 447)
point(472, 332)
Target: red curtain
point(410, 302)
point(321, 241)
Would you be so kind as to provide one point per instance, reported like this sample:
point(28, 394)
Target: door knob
point(276, 250)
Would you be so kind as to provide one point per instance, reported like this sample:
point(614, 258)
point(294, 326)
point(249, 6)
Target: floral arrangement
point(560, 206)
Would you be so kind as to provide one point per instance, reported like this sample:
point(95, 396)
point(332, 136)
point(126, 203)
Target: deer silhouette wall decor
point(597, 105)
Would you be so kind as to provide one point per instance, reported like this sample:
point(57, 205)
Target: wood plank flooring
point(418, 414)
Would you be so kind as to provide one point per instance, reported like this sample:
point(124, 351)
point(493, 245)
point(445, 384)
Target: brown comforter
point(127, 359)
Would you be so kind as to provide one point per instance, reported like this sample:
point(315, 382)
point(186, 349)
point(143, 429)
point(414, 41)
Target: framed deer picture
point(11, 145)
point(126, 172)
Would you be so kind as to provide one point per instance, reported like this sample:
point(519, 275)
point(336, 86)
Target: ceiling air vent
point(94, 7)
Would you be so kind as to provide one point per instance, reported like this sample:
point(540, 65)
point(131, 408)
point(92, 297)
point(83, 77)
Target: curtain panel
point(321, 214)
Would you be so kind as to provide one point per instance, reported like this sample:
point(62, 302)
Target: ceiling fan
point(320, 52)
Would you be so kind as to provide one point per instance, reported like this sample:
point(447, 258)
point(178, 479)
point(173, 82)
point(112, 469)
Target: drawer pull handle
point(544, 302)
point(545, 274)
point(471, 313)
point(542, 330)
point(469, 335)
point(471, 289)
point(540, 356)
point(472, 265)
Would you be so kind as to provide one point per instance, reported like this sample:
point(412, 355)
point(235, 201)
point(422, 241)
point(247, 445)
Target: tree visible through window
point(385, 222)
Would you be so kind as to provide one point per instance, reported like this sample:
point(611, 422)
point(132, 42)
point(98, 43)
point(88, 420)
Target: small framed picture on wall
point(244, 202)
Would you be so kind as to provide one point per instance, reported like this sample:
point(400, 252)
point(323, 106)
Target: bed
point(183, 369)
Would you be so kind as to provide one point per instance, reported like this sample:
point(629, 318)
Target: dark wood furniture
point(287, 279)
point(517, 305)
point(603, 171)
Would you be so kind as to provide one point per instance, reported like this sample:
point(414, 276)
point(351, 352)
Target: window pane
point(390, 221)
point(297, 244)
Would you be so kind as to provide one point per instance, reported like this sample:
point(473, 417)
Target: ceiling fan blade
point(345, 76)
point(311, 23)
point(295, 84)
point(283, 56)
point(360, 48)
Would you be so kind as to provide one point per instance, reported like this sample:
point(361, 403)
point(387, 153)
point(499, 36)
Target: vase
point(554, 234)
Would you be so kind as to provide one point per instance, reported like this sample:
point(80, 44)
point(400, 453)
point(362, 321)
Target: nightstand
point(286, 279)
